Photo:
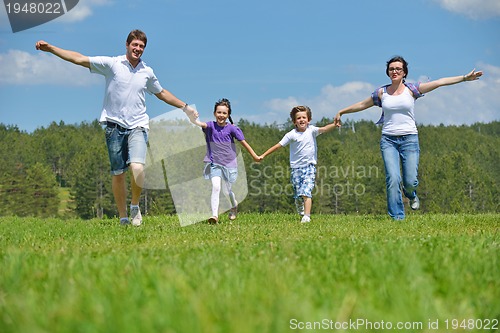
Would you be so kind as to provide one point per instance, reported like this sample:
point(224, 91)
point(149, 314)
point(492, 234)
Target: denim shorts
point(215, 170)
point(126, 146)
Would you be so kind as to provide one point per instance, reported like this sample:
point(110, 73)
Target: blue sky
point(264, 55)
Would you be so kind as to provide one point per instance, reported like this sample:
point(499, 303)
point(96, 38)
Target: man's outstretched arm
point(71, 56)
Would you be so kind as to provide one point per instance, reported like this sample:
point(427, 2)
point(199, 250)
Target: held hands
point(190, 112)
point(336, 121)
point(258, 159)
point(473, 75)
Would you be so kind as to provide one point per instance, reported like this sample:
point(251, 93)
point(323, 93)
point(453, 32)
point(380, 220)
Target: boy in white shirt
point(303, 157)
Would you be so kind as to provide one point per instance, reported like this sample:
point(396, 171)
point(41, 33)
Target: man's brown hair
point(137, 34)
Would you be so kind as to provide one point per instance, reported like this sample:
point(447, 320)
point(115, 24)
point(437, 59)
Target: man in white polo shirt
point(128, 79)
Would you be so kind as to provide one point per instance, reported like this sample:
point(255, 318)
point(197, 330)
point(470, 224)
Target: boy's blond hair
point(300, 108)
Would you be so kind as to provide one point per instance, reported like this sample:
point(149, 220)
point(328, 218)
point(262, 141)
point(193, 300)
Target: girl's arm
point(271, 150)
point(446, 81)
point(250, 150)
point(197, 122)
point(360, 106)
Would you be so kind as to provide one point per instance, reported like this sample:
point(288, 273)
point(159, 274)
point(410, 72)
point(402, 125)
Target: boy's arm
point(271, 150)
point(250, 150)
point(327, 128)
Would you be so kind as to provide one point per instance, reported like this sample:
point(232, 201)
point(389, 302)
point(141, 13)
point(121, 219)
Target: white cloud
point(475, 9)
point(326, 104)
point(83, 10)
point(23, 68)
point(464, 103)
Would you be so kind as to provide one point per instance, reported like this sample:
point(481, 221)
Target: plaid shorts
point(303, 181)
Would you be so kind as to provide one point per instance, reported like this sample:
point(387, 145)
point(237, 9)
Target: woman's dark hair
point(224, 102)
point(401, 60)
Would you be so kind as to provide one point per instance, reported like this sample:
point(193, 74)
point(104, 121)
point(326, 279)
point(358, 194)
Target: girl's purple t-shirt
point(221, 148)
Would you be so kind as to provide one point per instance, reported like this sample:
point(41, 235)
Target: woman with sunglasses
point(399, 142)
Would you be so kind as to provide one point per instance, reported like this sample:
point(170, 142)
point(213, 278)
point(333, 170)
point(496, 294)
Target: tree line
point(63, 170)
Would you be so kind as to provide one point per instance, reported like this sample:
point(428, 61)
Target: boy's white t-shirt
point(303, 147)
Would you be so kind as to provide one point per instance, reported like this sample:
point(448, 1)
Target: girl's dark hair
point(137, 34)
point(224, 102)
point(401, 60)
point(300, 108)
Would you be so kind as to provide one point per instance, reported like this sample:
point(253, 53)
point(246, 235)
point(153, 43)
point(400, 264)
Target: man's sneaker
point(213, 220)
point(305, 219)
point(415, 203)
point(124, 221)
point(135, 214)
point(232, 213)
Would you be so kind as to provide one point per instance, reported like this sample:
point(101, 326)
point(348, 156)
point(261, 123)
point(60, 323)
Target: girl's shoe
point(232, 213)
point(213, 220)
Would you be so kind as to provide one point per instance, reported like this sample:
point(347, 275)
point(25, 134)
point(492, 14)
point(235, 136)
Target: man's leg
point(137, 145)
point(120, 194)
point(137, 182)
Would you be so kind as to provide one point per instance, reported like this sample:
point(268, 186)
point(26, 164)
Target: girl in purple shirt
point(220, 160)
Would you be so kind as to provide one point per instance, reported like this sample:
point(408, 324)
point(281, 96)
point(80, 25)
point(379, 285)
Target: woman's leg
point(410, 155)
point(389, 148)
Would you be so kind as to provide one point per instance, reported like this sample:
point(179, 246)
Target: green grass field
point(262, 273)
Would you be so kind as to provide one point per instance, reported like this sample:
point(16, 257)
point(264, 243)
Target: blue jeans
point(396, 149)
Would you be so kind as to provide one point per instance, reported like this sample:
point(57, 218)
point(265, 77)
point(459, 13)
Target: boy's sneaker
point(213, 220)
point(305, 219)
point(415, 203)
point(135, 214)
point(124, 221)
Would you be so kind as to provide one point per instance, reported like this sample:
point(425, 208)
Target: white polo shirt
point(124, 95)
